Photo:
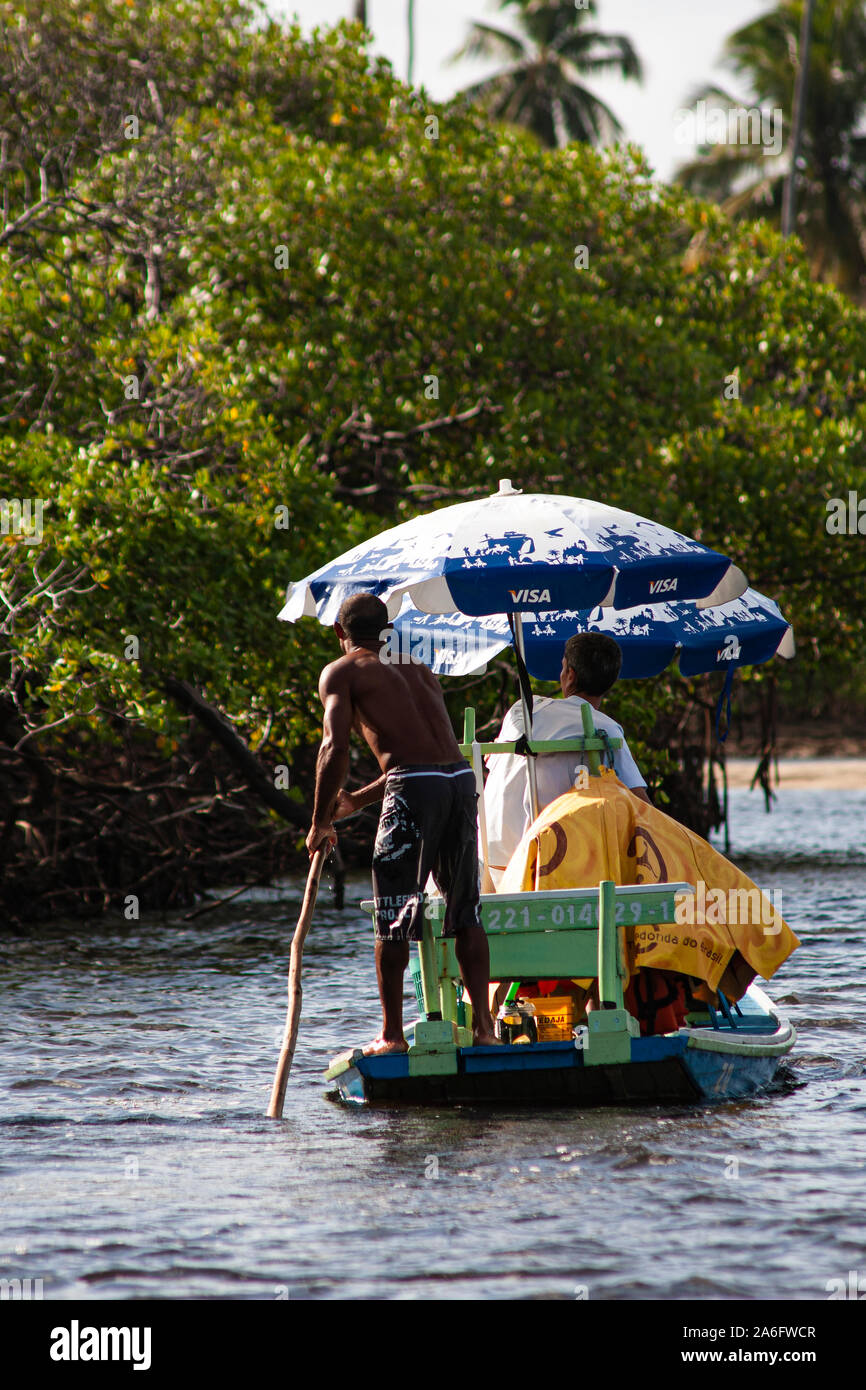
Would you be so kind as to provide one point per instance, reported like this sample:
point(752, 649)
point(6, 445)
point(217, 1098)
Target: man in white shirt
point(590, 667)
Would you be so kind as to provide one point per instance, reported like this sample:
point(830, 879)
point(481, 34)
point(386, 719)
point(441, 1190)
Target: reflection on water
point(136, 1160)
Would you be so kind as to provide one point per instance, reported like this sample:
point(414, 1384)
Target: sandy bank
point(824, 774)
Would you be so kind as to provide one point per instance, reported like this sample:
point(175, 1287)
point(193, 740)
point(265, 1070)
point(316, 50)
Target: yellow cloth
point(606, 833)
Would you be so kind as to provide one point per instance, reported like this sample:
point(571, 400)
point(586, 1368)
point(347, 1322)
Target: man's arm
point(332, 763)
point(350, 802)
point(628, 771)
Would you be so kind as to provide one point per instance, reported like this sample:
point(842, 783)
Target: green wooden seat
point(591, 742)
point(564, 933)
point(575, 932)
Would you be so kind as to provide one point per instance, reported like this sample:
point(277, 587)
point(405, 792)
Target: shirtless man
point(428, 821)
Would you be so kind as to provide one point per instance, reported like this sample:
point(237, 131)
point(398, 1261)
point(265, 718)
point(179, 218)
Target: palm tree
point(540, 87)
point(831, 163)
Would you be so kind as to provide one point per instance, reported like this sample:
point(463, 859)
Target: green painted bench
point(566, 933)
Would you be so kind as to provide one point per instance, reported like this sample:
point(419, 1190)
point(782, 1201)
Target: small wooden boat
point(720, 1054)
point(573, 933)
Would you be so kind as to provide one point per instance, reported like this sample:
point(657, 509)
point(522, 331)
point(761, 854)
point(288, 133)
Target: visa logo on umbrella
point(531, 595)
point(662, 586)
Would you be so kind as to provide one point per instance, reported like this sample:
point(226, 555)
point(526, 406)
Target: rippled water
point(136, 1161)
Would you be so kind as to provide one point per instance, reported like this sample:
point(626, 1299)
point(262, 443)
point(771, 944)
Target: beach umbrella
point(516, 552)
point(747, 631)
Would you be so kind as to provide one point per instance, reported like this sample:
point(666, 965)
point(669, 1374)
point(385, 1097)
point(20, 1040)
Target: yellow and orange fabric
point(604, 832)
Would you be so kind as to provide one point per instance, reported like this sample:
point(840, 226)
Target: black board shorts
point(428, 824)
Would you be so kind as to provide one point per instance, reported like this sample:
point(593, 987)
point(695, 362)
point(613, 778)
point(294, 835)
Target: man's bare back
point(399, 710)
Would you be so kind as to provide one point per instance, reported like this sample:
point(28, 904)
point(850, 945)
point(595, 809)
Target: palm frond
point(486, 41)
point(708, 94)
point(585, 109)
point(760, 199)
point(591, 51)
point(546, 20)
point(713, 174)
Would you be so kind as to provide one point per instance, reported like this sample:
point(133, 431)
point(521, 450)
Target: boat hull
point(692, 1065)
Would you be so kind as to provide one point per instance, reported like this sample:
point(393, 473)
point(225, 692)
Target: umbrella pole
point(527, 718)
point(469, 737)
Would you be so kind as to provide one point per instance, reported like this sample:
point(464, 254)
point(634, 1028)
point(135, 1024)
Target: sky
point(679, 42)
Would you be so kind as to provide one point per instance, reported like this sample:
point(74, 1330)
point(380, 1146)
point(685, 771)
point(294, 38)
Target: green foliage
point(410, 255)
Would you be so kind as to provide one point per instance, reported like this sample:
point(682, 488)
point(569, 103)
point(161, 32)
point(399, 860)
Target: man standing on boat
point(428, 821)
point(591, 663)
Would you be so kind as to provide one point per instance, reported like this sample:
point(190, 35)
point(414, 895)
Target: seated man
point(590, 666)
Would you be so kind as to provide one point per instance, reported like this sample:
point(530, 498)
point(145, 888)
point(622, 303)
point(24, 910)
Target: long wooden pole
point(293, 1015)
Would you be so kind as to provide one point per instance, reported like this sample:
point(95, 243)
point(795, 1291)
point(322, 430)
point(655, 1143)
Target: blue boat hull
point(707, 1063)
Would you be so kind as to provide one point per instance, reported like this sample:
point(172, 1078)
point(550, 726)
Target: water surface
point(136, 1161)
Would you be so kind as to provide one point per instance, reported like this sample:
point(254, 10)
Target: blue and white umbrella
point(745, 632)
point(515, 552)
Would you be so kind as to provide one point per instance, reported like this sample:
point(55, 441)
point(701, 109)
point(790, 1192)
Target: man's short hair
point(595, 659)
point(363, 618)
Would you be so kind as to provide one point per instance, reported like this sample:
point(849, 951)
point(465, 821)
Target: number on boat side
point(513, 918)
point(633, 908)
point(560, 914)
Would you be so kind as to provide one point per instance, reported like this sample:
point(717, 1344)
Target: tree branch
point(221, 730)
